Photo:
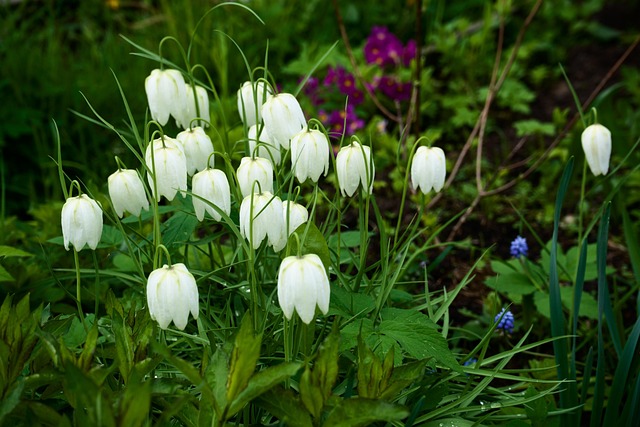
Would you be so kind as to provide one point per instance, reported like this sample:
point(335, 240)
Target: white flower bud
point(213, 186)
point(596, 143)
point(170, 167)
point(309, 155)
point(197, 148)
point(302, 284)
point(283, 118)
point(428, 169)
point(81, 222)
point(255, 170)
point(127, 192)
point(171, 294)
point(166, 95)
point(354, 167)
point(262, 218)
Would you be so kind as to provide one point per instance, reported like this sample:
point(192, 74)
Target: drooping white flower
point(302, 284)
point(172, 294)
point(81, 222)
point(213, 186)
point(127, 192)
point(260, 218)
point(267, 149)
point(283, 118)
point(197, 148)
point(596, 143)
point(354, 167)
point(255, 170)
point(428, 169)
point(250, 100)
point(309, 154)
point(170, 167)
point(295, 214)
point(191, 112)
point(166, 95)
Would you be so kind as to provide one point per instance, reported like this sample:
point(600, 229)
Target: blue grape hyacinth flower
point(505, 321)
point(519, 247)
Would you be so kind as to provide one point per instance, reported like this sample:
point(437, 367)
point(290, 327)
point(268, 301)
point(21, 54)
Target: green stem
point(78, 288)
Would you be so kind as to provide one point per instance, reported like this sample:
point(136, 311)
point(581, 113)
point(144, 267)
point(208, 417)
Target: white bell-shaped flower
point(252, 170)
point(172, 294)
point(213, 186)
point(166, 95)
point(127, 192)
point(81, 222)
point(191, 112)
point(170, 167)
point(267, 149)
point(428, 169)
point(295, 214)
point(260, 218)
point(250, 100)
point(197, 148)
point(354, 166)
point(283, 118)
point(596, 143)
point(309, 154)
point(303, 284)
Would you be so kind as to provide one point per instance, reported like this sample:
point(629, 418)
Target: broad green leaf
point(5, 276)
point(216, 377)
point(588, 305)
point(511, 283)
point(9, 251)
point(286, 406)
point(261, 382)
point(362, 412)
point(124, 345)
point(178, 229)
point(244, 357)
point(316, 384)
point(11, 399)
point(417, 335)
point(349, 304)
point(135, 403)
point(313, 242)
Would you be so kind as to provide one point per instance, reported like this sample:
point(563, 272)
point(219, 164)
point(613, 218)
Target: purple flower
point(338, 119)
point(394, 89)
point(409, 52)
point(505, 321)
point(382, 47)
point(312, 90)
point(519, 247)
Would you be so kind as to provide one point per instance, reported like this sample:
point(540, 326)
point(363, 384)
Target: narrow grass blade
point(555, 303)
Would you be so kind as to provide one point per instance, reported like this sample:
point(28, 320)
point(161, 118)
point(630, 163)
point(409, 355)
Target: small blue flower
point(470, 362)
point(505, 321)
point(519, 247)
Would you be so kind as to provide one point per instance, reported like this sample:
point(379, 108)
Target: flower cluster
point(382, 50)
point(505, 321)
point(519, 247)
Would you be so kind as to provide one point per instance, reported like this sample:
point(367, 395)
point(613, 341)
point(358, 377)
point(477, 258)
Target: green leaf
point(533, 127)
point(349, 304)
point(316, 385)
point(178, 229)
point(5, 276)
point(537, 409)
point(361, 412)
point(511, 283)
point(262, 382)
point(124, 345)
point(286, 406)
point(244, 357)
point(216, 375)
point(417, 335)
point(313, 242)
point(11, 399)
point(9, 251)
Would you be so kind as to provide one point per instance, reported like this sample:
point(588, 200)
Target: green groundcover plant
point(240, 271)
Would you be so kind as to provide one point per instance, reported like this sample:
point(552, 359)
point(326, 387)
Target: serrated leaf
point(417, 335)
point(262, 382)
point(361, 412)
point(349, 304)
